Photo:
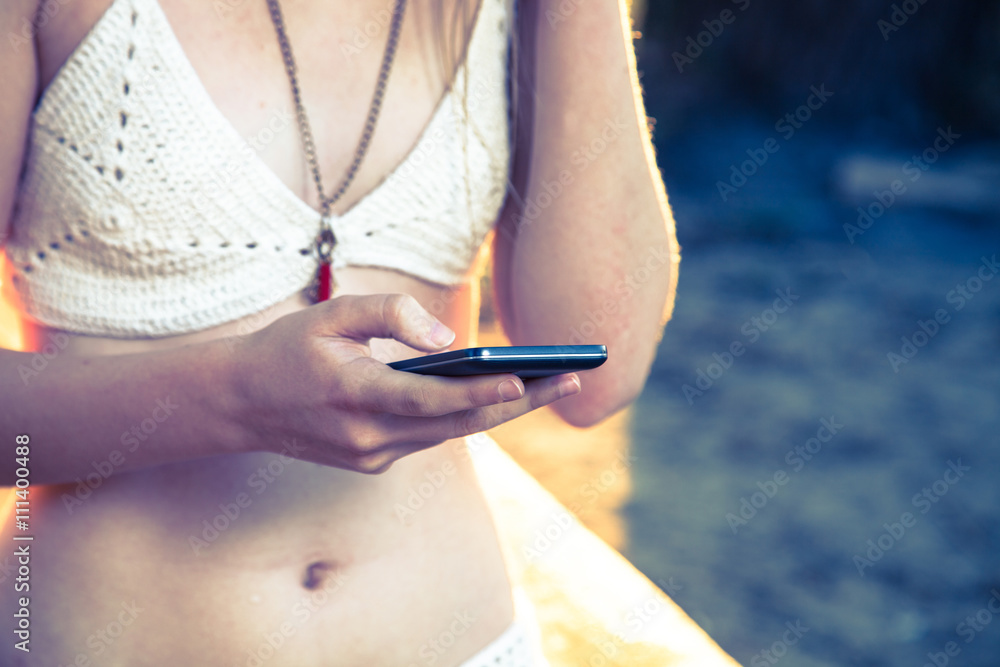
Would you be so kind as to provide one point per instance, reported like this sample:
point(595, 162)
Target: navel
point(317, 573)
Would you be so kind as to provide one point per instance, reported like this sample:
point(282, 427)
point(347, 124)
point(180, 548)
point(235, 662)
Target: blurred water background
point(815, 461)
point(834, 170)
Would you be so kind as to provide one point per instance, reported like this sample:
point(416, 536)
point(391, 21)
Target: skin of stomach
point(259, 559)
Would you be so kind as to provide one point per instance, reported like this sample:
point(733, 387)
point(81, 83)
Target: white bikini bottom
point(520, 645)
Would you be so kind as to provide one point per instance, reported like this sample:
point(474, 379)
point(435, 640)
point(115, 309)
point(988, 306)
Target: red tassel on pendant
point(325, 288)
point(324, 250)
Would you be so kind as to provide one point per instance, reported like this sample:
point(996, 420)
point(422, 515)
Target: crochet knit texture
point(142, 212)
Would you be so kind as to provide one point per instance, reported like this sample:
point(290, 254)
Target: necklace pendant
point(324, 290)
point(323, 283)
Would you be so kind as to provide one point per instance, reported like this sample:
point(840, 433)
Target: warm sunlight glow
point(10, 338)
point(10, 321)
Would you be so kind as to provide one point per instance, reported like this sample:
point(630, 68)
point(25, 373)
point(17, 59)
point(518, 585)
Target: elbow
point(613, 386)
point(602, 395)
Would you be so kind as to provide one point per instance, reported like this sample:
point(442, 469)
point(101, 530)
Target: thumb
point(396, 316)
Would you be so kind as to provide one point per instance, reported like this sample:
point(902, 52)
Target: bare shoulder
point(18, 79)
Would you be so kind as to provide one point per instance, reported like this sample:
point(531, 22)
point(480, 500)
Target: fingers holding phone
point(311, 376)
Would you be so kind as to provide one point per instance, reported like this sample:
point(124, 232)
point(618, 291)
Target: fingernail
point(569, 386)
point(510, 390)
point(441, 335)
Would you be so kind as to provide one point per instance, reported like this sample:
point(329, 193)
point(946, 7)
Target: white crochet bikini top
point(142, 212)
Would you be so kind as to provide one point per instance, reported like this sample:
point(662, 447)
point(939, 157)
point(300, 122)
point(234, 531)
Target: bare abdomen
point(226, 559)
point(261, 559)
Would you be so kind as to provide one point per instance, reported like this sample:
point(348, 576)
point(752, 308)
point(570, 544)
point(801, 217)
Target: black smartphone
point(525, 361)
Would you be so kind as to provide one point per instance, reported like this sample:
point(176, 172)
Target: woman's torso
point(258, 559)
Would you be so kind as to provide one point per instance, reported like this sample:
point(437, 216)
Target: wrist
point(225, 397)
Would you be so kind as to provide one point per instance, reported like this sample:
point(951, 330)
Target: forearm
point(107, 414)
point(594, 256)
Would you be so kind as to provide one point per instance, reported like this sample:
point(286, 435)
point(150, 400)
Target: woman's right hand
point(310, 377)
